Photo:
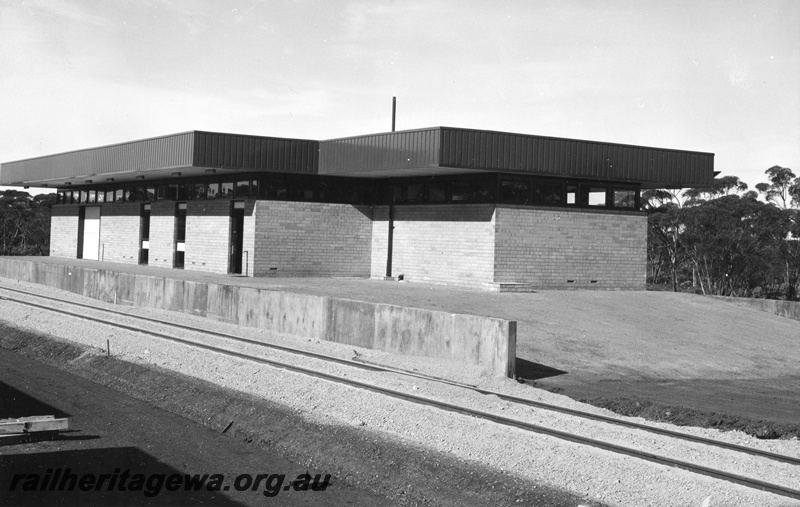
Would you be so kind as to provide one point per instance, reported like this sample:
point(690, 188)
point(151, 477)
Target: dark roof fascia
point(153, 138)
point(112, 145)
point(574, 140)
point(356, 137)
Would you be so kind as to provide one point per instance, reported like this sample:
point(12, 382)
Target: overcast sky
point(714, 76)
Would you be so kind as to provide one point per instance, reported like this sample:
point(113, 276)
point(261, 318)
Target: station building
point(473, 208)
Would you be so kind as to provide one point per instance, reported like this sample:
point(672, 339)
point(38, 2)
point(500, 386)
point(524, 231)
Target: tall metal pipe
point(390, 242)
point(394, 111)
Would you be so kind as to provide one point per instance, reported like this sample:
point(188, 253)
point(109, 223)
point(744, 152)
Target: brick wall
point(207, 235)
point(451, 244)
point(162, 234)
point(64, 231)
point(311, 239)
point(468, 245)
point(120, 226)
point(549, 247)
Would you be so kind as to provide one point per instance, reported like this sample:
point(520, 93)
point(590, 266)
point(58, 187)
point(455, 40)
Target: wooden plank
point(36, 418)
point(30, 418)
point(12, 427)
point(33, 425)
point(47, 425)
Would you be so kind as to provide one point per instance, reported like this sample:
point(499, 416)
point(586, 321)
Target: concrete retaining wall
point(790, 309)
point(487, 342)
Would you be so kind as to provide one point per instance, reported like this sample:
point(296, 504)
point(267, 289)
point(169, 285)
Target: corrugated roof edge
point(503, 132)
point(356, 137)
point(381, 134)
point(252, 135)
point(572, 139)
point(153, 138)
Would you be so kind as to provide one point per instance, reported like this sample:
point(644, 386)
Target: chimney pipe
point(394, 111)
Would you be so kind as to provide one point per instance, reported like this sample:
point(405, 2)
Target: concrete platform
point(487, 342)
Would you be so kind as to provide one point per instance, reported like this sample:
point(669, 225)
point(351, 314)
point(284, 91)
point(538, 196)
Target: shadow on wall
point(440, 212)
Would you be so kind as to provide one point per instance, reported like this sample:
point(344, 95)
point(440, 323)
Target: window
point(84, 196)
point(624, 198)
point(596, 196)
point(183, 191)
point(171, 192)
point(91, 196)
point(323, 191)
point(462, 190)
point(276, 188)
point(110, 195)
point(212, 191)
point(407, 192)
point(242, 189)
point(136, 194)
point(514, 191)
point(485, 188)
point(199, 191)
point(254, 189)
point(101, 196)
point(150, 194)
point(366, 192)
point(226, 190)
point(437, 191)
point(572, 194)
point(300, 189)
point(126, 194)
point(547, 194)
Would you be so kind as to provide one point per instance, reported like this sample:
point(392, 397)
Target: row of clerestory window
point(443, 189)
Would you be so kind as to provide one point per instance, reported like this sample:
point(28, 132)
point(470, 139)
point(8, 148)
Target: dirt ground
point(670, 353)
point(110, 430)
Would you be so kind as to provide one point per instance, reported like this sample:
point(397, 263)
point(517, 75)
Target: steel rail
point(388, 369)
point(422, 400)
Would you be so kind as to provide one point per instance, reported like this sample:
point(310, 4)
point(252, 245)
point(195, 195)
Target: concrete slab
point(351, 322)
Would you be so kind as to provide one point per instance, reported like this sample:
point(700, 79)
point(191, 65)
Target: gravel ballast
point(587, 473)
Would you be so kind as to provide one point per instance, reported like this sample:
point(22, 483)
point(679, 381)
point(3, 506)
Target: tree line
point(25, 223)
point(722, 240)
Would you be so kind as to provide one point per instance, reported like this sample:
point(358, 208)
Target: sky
point(711, 76)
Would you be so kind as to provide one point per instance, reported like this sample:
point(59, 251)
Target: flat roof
point(418, 152)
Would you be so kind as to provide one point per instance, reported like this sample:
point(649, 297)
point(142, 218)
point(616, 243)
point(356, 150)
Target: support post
point(391, 237)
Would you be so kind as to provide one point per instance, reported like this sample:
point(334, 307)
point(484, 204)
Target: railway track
point(418, 399)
